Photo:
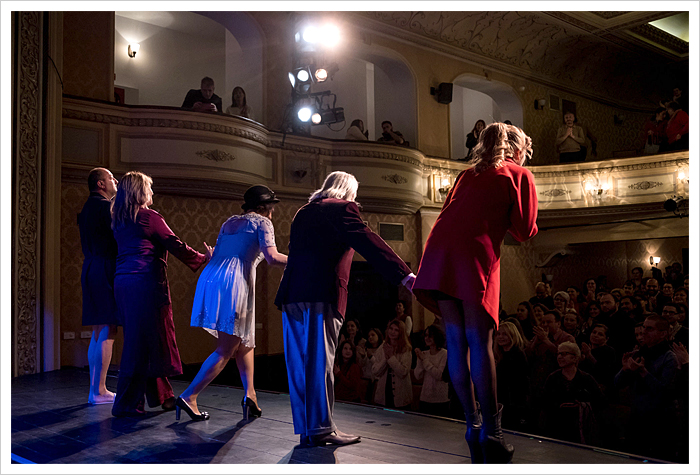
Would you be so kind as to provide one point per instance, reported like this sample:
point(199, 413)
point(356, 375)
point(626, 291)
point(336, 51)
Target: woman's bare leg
point(479, 333)
point(211, 368)
point(458, 353)
point(245, 360)
point(99, 358)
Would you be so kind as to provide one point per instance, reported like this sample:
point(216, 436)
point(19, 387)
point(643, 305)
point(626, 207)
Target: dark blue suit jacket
point(324, 235)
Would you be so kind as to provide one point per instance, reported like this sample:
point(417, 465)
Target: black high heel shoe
point(250, 408)
point(180, 404)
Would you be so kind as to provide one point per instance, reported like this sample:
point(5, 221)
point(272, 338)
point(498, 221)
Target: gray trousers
point(310, 340)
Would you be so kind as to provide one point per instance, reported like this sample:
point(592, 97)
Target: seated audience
point(608, 307)
point(650, 374)
point(591, 290)
point(389, 135)
point(677, 333)
point(430, 367)
point(350, 331)
point(636, 277)
point(576, 300)
point(677, 128)
point(569, 141)
point(512, 375)
point(622, 323)
point(628, 288)
point(571, 323)
point(683, 391)
point(561, 301)
point(652, 295)
point(356, 131)
point(203, 99)
point(590, 317)
point(571, 399)
point(348, 374)
point(239, 105)
point(538, 310)
point(391, 367)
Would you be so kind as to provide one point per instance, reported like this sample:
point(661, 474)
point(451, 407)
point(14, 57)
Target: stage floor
point(52, 423)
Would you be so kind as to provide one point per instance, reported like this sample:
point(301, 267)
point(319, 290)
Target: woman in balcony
point(239, 106)
point(224, 302)
point(473, 137)
point(141, 291)
point(459, 279)
point(356, 131)
point(655, 132)
point(677, 128)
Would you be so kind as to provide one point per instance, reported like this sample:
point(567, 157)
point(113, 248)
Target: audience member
point(347, 372)
point(622, 323)
point(571, 399)
point(652, 294)
point(570, 138)
point(676, 332)
point(203, 99)
point(239, 105)
point(561, 301)
point(608, 307)
point(576, 300)
point(389, 135)
point(512, 375)
point(628, 288)
point(400, 309)
point(654, 132)
point(391, 366)
point(600, 359)
point(617, 294)
point(538, 311)
point(516, 323)
point(374, 340)
point(97, 280)
point(683, 391)
point(590, 318)
point(351, 331)
point(680, 296)
point(636, 277)
point(677, 128)
point(473, 137)
point(356, 131)
point(571, 324)
point(541, 296)
point(430, 367)
point(650, 374)
point(591, 289)
point(526, 317)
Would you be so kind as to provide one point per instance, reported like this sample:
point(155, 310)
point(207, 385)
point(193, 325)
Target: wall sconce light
point(654, 260)
point(682, 176)
point(618, 119)
point(540, 103)
point(597, 187)
point(441, 185)
point(133, 49)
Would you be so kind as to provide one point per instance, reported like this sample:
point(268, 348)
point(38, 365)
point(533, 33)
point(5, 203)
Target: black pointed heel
point(250, 408)
point(180, 404)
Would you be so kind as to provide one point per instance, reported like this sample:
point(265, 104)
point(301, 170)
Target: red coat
point(462, 253)
point(677, 125)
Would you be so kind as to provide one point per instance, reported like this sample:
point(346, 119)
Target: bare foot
point(106, 398)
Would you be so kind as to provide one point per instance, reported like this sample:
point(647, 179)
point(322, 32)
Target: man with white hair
point(312, 295)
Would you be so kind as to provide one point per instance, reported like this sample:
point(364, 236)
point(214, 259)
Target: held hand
point(419, 353)
point(586, 350)
point(635, 365)
point(336, 369)
point(209, 251)
point(388, 351)
point(681, 353)
point(361, 352)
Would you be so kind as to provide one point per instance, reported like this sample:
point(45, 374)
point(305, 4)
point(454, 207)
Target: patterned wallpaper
point(195, 220)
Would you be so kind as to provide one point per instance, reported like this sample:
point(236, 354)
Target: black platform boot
point(472, 435)
point(493, 445)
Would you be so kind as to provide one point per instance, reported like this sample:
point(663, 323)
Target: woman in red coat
point(142, 294)
point(459, 274)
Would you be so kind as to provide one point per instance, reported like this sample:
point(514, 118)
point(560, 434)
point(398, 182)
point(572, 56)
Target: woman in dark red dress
point(459, 274)
point(142, 294)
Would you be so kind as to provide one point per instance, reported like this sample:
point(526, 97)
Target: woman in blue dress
point(224, 302)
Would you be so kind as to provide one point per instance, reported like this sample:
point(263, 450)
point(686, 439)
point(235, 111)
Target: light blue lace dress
point(225, 297)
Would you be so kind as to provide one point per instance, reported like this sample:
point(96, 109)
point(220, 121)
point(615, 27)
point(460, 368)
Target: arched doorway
point(475, 97)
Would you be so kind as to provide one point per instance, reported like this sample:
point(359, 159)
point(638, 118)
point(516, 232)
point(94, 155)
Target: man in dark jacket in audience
point(650, 374)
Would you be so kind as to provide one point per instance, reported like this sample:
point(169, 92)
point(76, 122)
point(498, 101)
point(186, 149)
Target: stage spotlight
point(304, 114)
point(330, 35)
point(292, 79)
point(303, 75)
point(332, 116)
point(301, 79)
point(316, 118)
point(321, 75)
point(310, 34)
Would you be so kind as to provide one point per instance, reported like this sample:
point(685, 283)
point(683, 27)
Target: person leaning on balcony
point(389, 135)
point(356, 131)
point(570, 138)
point(203, 99)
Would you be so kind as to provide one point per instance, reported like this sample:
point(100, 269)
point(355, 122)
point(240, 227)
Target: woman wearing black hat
point(224, 302)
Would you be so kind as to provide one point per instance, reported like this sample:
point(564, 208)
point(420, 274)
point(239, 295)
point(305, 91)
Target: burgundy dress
point(143, 299)
point(462, 253)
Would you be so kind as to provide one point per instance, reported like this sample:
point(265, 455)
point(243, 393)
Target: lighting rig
point(310, 67)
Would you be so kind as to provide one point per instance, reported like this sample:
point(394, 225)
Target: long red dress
point(462, 253)
point(141, 289)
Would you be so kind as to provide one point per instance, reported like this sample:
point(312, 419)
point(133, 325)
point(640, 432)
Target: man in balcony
point(389, 135)
point(203, 99)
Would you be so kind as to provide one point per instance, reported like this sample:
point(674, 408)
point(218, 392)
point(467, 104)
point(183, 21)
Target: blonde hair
point(131, 196)
point(571, 347)
point(402, 345)
point(512, 331)
point(497, 142)
point(339, 185)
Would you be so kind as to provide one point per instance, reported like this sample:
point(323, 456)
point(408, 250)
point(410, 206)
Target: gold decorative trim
point(26, 184)
point(555, 192)
point(395, 178)
point(644, 185)
point(216, 155)
point(609, 15)
point(609, 169)
point(659, 36)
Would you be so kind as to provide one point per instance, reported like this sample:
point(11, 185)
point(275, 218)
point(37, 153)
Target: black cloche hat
point(258, 195)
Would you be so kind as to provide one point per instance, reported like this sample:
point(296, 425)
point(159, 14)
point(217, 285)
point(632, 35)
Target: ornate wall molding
point(396, 179)
point(644, 185)
point(26, 194)
point(554, 192)
point(216, 155)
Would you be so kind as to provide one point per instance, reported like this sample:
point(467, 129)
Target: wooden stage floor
point(52, 423)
